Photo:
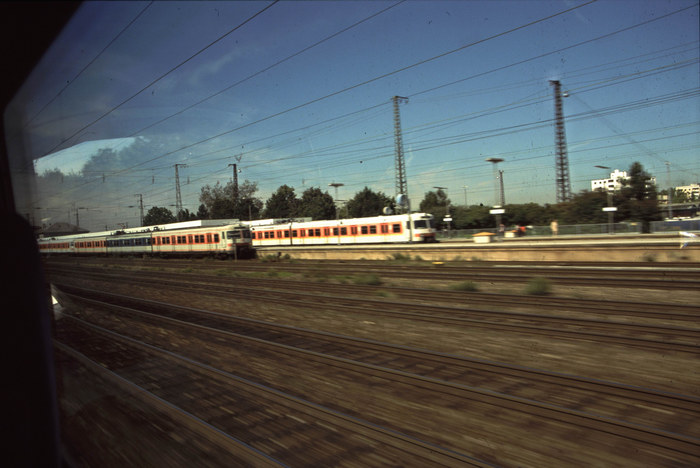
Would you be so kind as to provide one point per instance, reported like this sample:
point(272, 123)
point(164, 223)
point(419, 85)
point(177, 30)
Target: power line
point(171, 152)
point(99, 54)
point(249, 19)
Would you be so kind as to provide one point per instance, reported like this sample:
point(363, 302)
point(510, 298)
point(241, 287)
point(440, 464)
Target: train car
point(374, 230)
point(121, 243)
point(227, 240)
point(183, 239)
point(77, 244)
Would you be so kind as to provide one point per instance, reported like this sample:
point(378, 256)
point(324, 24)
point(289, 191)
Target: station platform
point(650, 248)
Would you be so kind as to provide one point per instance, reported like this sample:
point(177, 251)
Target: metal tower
point(140, 207)
point(235, 177)
point(562, 159)
point(178, 195)
point(401, 187)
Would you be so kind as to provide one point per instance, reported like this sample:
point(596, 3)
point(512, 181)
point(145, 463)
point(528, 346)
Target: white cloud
point(74, 158)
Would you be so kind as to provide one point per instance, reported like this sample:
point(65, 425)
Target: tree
point(185, 215)
point(203, 212)
point(474, 217)
point(316, 204)
point(217, 202)
point(437, 204)
point(158, 215)
point(368, 203)
point(584, 208)
point(282, 204)
point(638, 198)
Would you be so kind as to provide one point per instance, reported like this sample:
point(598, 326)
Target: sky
point(300, 93)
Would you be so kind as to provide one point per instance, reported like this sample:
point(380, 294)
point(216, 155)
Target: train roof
point(371, 219)
point(200, 223)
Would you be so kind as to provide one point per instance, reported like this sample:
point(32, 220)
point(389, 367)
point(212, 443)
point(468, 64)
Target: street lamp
point(498, 208)
point(609, 209)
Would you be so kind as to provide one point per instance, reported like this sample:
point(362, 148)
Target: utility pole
point(670, 190)
point(178, 195)
point(140, 206)
point(235, 178)
point(499, 198)
point(562, 159)
point(401, 186)
point(503, 194)
point(335, 201)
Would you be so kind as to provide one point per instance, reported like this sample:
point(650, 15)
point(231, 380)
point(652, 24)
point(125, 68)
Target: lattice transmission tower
point(178, 194)
point(562, 158)
point(401, 185)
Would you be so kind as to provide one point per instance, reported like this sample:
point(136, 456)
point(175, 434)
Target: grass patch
point(538, 287)
point(399, 257)
point(466, 286)
point(367, 280)
point(224, 272)
point(278, 257)
point(386, 294)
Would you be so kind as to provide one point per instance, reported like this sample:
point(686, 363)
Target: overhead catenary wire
point(89, 64)
point(134, 169)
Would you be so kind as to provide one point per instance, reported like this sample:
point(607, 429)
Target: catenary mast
point(562, 158)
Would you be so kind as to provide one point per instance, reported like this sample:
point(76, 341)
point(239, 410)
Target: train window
point(420, 224)
point(286, 234)
point(311, 232)
point(279, 234)
point(343, 231)
point(216, 238)
point(385, 228)
point(396, 228)
point(353, 230)
point(364, 229)
point(326, 231)
point(294, 233)
point(318, 232)
point(373, 229)
point(335, 231)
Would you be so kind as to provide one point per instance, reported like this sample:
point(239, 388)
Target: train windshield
point(424, 223)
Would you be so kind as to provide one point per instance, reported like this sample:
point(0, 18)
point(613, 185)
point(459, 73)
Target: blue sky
point(301, 93)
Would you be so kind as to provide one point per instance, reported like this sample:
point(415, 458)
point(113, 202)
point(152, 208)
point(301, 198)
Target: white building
point(614, 182)
point(692, 191)
point(611, 184)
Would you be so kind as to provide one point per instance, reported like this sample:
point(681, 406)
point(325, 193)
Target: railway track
point(641, 310)
point(670, 278)
point(255, 412)
point(594, 405)
point(648, 336)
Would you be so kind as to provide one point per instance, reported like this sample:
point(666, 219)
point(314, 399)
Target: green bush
point(466, 286)
point(538, 287)
point(367, 280)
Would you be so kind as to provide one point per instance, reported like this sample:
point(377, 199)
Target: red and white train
point(419, 227)
point(195, 238)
